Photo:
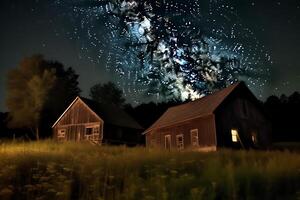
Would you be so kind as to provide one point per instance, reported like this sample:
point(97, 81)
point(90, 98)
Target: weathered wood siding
point(242, 112)
point(76, 120)
point(206, 133)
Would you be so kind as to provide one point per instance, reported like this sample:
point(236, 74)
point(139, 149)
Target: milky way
point(168, 49)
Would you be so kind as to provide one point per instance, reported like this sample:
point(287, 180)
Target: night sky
point(104, 41)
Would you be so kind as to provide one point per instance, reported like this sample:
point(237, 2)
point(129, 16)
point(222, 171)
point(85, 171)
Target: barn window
point(92, 133)
point(96, 130)
point(167, 141)
point(194, 137)
point(179, 141)
point(89, 131)
point(92, 130)
point(254, 137)
point(61, 133)
point(234, 135)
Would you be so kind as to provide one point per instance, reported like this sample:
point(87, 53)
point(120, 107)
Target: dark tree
point(107, 93)
point(3, 125)
point(28, 87)
point(60, 96)
point(38, 92)
point(283, 112)
point(146, 114)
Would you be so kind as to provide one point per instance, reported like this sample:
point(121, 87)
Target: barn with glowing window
point(229, 118)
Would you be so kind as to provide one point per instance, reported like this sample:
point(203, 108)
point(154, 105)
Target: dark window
point(179, 141)
point(89, 131)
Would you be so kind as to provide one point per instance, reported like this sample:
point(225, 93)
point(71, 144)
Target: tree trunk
point(37, 134)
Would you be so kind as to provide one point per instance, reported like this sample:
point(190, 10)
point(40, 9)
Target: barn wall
point(206, 133)
point(240, 111)
point(75, 121)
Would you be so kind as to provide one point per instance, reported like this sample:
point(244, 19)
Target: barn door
point(78, 136)
point(168, 142)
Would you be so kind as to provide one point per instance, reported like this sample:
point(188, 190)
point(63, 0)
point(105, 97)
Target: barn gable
point(76, 109)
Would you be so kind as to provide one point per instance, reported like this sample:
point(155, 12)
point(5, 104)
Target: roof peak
point(207, 96)
point(200, 107)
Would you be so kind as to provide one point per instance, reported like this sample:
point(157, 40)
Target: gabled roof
point(198, 108)
point(110, 114)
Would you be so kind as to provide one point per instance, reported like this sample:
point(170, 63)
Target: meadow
point(50, 170)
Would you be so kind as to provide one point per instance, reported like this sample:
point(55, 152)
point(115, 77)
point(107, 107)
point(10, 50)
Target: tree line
point(39, 90)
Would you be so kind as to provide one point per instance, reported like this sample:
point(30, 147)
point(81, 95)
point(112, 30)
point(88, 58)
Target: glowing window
point(234, 135)
point(194, 137)
point(254, 137)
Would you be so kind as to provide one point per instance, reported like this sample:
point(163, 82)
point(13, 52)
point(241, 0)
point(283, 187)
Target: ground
point(50, 170)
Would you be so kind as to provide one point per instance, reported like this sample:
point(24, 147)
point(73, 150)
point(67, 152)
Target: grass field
point(48, 170)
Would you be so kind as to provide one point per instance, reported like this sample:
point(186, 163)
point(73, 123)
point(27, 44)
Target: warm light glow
point(234, 135)
point(254, 137)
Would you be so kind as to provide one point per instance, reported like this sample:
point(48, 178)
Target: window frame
point(170, 138)
point(178, 145)
point(234, 134)
point(95, 135)
point(61, 133)
point(93, 127)
point(88, 132)
point(192, 132)
point(254, 137)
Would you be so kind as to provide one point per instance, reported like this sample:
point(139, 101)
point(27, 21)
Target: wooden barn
point(230, 118)
point(88, 120)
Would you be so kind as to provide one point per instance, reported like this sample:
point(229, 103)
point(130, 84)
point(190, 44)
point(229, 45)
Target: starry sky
point(111, 40)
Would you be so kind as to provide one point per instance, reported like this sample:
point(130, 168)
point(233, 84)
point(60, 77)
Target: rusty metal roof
point(198, 108)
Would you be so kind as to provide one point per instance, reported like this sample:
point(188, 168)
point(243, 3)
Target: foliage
point(153, 110)
point(38, 91)
point(283, 111)
point(60, 96)
point(28, 87)
point(107, 93)
point(49, 170)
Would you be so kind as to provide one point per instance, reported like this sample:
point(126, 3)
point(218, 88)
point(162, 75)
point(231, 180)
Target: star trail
point(161, 49)
point(169, 49)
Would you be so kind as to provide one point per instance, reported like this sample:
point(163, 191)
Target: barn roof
point(111, 114)
point(199, 108)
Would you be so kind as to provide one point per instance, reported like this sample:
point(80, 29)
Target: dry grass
point(49, 170)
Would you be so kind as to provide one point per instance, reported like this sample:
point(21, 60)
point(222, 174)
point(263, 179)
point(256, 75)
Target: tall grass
point(49, 170)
